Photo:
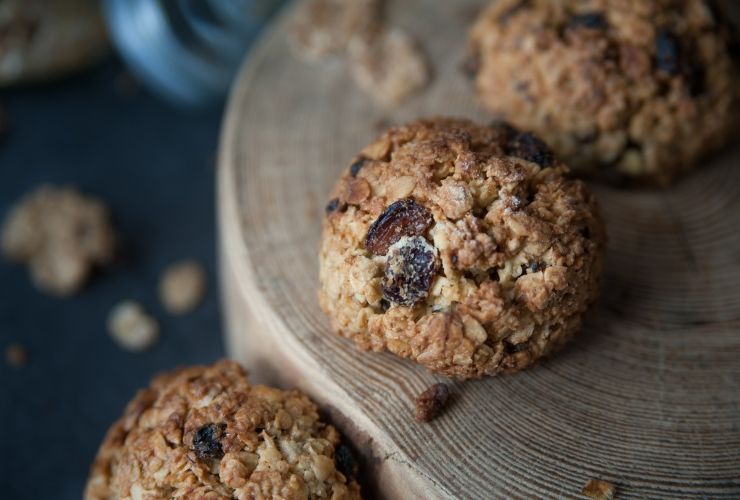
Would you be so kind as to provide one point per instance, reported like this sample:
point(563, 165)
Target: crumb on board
point(598, 489)
point(326, 27)
point(131, 327)
point(385, 62)
point(182, 286)
point(61, 234)
point(430, 402)
point(16, 356)
point(389, 67)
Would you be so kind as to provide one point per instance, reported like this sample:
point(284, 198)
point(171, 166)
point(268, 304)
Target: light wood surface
point(647, 397)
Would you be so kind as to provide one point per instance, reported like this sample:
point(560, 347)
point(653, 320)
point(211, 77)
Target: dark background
point(154, 167)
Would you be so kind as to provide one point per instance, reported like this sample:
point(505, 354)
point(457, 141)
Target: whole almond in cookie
point(472, 255)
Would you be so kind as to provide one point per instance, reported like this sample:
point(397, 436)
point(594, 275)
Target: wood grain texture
point(647, 397)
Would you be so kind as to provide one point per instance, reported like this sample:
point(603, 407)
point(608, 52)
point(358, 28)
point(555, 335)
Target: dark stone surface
point(153, 165)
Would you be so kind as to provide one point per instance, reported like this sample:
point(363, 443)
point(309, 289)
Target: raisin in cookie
point(461, 247)
point(619, 88)
point(205, 432)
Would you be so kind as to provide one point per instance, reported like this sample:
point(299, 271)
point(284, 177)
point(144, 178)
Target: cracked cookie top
point(463, 247)
point(619, 88)
point(205, 432)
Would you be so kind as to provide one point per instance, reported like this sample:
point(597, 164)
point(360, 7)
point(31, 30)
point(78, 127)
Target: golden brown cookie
point(205, 432)
point(462, 247)
point(618, 88)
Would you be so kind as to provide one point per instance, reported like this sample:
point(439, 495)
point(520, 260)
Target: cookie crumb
point(131, 327)
point(326, 27)
point(16, 355)
point(61, 235)
point(182, 286)
point(389, 67)
point(430, 402)
point(598, 490)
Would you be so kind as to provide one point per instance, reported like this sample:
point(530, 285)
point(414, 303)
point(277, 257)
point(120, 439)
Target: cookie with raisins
point(622, 90)
point(462, 247)
point(206, 432)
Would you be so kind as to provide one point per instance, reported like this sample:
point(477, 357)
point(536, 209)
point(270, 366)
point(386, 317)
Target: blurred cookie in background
point(620, 89)
point(43, 39)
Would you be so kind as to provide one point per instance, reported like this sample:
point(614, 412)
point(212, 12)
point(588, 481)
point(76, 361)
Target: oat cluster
point(61, 235)
point(619, 88)
point(206, 432)
point(459, 246)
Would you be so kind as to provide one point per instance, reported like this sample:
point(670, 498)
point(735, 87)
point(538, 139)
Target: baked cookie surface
point(205, 432)
point(619, 88)
point(459, 246)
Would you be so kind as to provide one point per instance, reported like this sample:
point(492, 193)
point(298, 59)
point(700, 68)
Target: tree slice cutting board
point(647, 397)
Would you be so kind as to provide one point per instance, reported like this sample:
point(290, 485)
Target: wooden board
point(647, 397)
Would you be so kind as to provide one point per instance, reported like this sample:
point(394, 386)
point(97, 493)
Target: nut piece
point(325, 27)
point(131, 327)
point(389, 67)
point(402, 218)
point(16, 356)
point(409, 271)
point(598, 490)
point(430, 402)
point(61, 234)
point(182, 286)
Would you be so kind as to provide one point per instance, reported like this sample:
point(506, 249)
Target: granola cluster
point(459, 246)
point(205, 432)
point(621, 89)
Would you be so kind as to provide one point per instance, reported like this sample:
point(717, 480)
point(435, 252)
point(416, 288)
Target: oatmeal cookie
point(41, 40)
point(205, 432)
point(61, 234)
point(459, 246)
point(621, 89)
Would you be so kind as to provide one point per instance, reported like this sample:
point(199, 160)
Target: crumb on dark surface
point(430, 402)
point(16, 356)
